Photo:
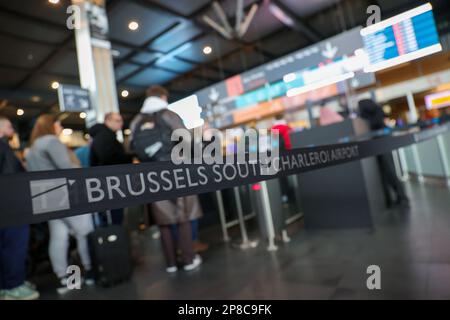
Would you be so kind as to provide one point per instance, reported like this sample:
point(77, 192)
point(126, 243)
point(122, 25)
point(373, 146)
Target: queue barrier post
point(246, 243)
point(403, 164)
point(223, 221)
point(397, 164)
point(415, 152)
point(268, 217)
point(443, 153)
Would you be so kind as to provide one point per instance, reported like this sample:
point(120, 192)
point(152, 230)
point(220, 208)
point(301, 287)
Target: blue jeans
point(13, 256)
point(194, 227)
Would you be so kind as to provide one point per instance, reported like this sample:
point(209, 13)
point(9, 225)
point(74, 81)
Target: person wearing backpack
point(150, 140)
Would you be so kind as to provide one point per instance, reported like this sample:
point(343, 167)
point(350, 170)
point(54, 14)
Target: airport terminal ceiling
point(172, 45)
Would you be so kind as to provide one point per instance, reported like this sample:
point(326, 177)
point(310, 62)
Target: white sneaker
point(62, 288)
point(195, 263)
point(156, 235)
point(171, 269)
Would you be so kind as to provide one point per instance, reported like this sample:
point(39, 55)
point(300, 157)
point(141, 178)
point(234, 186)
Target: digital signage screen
point(402, 38)
point(438, 100)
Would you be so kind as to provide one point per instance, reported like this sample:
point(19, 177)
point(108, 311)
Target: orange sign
point(258, 111)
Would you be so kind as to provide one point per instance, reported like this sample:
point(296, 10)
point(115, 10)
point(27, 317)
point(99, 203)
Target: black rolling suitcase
point(110, 254)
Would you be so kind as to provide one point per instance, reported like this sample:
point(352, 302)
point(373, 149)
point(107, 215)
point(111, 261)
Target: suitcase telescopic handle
point(97, 219)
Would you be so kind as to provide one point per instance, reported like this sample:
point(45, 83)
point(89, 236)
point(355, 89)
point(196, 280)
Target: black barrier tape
point(40, 196)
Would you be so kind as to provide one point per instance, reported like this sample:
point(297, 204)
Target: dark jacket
point(373, 113)
point(8, 160)
point(105, 149)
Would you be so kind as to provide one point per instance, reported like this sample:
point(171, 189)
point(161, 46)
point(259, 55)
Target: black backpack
point(151, 138)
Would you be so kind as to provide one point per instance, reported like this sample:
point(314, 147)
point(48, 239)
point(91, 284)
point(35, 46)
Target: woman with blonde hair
point(47, 152)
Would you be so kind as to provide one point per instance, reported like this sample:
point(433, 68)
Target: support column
point(95, 61)
point(413, 116)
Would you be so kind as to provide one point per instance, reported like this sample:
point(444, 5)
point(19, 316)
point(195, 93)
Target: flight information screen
point(402, 38)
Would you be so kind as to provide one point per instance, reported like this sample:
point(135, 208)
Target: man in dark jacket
point(107, 150)
point(13, 240)
point(374, 114)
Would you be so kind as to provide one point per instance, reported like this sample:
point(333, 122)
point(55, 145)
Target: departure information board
point(402, 38)
point(314, 73)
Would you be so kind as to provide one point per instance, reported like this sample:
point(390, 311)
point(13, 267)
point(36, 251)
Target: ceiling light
point(207, 50)
point(67, 132)
point(133, 25)
point(55, 85)
point(35, 99)
point(20, 112)
point(83, 115)
point(53, 1)
point(124, 93)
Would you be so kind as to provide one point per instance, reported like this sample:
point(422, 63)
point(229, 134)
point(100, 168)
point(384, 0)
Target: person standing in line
point(48, 153)
point(84, 154)
point(328, 115)
point(375, 116)
point(13, 240)
point(281, 127)
point(107, 150)
point(284, 131)
point(179, 211)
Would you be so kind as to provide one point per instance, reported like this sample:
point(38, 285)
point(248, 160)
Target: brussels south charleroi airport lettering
point(223, 169)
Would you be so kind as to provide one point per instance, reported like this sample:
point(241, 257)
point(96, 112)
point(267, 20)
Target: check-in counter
point(428, 159)
point(343, 196)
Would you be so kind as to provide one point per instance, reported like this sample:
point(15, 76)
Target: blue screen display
point(402, 38)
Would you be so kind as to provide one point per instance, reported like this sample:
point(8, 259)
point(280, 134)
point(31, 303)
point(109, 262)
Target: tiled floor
point(412, 250)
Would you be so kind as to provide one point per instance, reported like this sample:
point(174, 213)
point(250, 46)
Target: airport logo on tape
point(50, 195)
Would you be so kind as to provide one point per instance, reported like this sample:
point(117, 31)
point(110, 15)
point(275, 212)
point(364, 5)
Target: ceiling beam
point(297, 23)
point(146, 44)
point(8, 34)
point(33, 19)
point(153, 62)
point(40, 67)
point(157, 6)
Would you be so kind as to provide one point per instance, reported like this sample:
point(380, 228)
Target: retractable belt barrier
point(34, 197)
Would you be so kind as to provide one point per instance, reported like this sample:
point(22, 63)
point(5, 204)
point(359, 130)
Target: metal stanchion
point(268, 217)
point(235, 222)
point(246, 243)
point(403, 164)
point(417, 162)
point(285, 236)
point(444, 158)
point(223, 220)
point(398, 168)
